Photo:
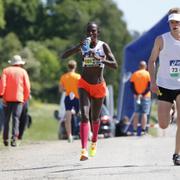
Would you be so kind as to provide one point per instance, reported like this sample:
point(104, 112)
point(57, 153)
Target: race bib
point(91, 62)
point(88, 61)
point(174, 68)
point(71, 95)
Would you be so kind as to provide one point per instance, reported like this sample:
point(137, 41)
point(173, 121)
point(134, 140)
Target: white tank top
point(168, 75)
point(99, 51)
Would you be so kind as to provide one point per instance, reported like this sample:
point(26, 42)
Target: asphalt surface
point(120, 158)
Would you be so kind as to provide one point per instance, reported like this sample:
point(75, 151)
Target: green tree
point(42, 30)
point(9, 45)
point(48, 67)
point(2, 21)
point(21, 18)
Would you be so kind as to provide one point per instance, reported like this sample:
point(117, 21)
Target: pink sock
point(95, 127)
point(84, 131)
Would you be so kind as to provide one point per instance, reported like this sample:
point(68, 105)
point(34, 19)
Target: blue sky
point(141, 15)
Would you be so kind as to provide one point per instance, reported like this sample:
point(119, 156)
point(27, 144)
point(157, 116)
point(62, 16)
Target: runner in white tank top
point(169, 59)
point(167, 84)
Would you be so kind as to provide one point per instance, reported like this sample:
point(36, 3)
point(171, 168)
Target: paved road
point(121, 158)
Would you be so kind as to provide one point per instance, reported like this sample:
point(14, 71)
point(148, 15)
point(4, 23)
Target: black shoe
point(176, 159)
point(6, 143)
point(13, 143)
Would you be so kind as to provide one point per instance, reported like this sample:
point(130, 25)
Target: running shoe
point(70, 139)
point(13, 143)
point(176, 159)
point(84, 155)
point(143, 132)
point(92, 150)
point(135, 133)
point(6, 143)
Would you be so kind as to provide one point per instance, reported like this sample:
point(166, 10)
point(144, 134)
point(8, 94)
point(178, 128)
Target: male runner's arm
point(152, 62)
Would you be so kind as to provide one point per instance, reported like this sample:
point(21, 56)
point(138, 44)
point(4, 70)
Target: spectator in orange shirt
point(69, 83)
point(15, 90)
point(140, 85)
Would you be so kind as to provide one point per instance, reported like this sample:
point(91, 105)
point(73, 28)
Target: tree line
point(40, 30)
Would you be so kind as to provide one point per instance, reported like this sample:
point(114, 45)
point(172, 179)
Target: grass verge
point(44, 126)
